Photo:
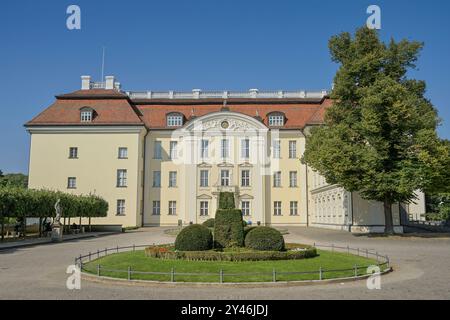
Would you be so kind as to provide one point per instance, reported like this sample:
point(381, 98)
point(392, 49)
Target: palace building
point(162, 158)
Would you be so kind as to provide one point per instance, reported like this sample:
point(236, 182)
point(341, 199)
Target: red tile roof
point(115, 108)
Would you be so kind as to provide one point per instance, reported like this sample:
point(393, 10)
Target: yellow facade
point(95, 168)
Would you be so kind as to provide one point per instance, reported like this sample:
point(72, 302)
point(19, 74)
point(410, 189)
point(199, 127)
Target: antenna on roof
point(103, 64)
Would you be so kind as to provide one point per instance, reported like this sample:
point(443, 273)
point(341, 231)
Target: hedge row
point(18, 202)
point(165, 252)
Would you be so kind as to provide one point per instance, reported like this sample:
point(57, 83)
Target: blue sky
point(181, 45)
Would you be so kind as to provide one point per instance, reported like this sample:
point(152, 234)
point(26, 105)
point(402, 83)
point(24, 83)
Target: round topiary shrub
point(194, 238)
point(264, 239)
point(209, 223)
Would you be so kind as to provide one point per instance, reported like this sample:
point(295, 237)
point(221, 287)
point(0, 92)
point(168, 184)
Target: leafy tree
point(379, 137)
point(14, 180)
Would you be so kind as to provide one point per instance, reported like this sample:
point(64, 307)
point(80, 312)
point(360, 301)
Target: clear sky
point(181, 45)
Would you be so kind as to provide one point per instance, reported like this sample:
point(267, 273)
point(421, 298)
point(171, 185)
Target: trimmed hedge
point(265, 239)
point(165, 252)
point(194, 238)
point(29, 203)
point(226, 200)
point(209, 223)
point(228, 229)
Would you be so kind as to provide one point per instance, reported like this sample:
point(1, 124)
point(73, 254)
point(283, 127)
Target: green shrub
point(228, 229)
point(209, 223)
point(264, 239)
point(247, 230)
point(194, 238)
point(166, 252)
point(226, 200)
point(244, 223)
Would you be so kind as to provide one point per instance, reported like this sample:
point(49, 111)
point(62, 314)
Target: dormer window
point(86, 115)
point(175, 120)
point(276, 120)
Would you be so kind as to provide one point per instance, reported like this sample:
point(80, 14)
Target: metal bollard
point(98, 270)
point(274, 275)
point(129, 273)
point(172, 275)
point(221, 276)
point(320, 274)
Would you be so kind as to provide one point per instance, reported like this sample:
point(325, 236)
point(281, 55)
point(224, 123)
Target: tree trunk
point(40, 227)
point(389, 223)
point(3, 228)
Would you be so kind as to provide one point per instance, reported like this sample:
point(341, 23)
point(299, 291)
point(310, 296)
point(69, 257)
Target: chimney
point(109, 83)
point(85, 82)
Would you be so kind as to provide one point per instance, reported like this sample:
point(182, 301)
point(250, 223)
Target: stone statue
point(57, 221)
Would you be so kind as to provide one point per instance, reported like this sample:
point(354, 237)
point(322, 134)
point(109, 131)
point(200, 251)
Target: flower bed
point(293, 252)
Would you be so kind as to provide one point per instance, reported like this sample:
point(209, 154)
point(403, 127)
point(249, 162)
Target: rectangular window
point(172, 179)
point(173, 149)
point(71, 183)
point(294, 208)
point(245, 206)
point(204, 178)
point(121, 178)
point(123, 153)
point(245, 149)
point(175, 120)
point(293, 179)
point(292, 149)
point(86, 116)
point(225, 178)
point(277, 179)
point(204, 149)
point(277, 208)
point(204, 208)
point(276, 149)
point(225, 148)
point(157, 151)
point(245, 178)
point(156, 179)
point(156, 208)
point(73, 153)
point(172, 208)
point(120, 207)
point(276, 121)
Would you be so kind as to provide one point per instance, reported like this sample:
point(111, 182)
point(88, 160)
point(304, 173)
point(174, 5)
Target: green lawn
point(139, 262)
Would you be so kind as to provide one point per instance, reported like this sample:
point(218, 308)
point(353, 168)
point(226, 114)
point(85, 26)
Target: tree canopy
point(379, 137)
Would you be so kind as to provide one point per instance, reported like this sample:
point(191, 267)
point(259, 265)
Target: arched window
point(86, 114)
point(175, 119)
point(276, 119)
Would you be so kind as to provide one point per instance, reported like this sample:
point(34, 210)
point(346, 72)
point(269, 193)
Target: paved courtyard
point(422, 270)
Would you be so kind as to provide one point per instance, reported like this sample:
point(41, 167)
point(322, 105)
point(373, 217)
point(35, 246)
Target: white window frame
point(156, 208)
point(73, 153)
point(293, 179)
point(245, 148)
point(277, 206)
point(156, 179)
point(245, 178)
point(277, 179)
point(86, 115)
point(120, 208)
point(246, 208)
point(157, 150)
point(71, 183)
point(276, 120)
point(225, 148)
point(123, 153)
point(174, 120)
point(173, 179)
point(122, 178)
point(276, 149)
point(292, 149)
point(172, 208)
point(204, 149)
point(173, 150)
point(225, 180)
point(204, 208)
point(204, 178)
point(293, 208)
